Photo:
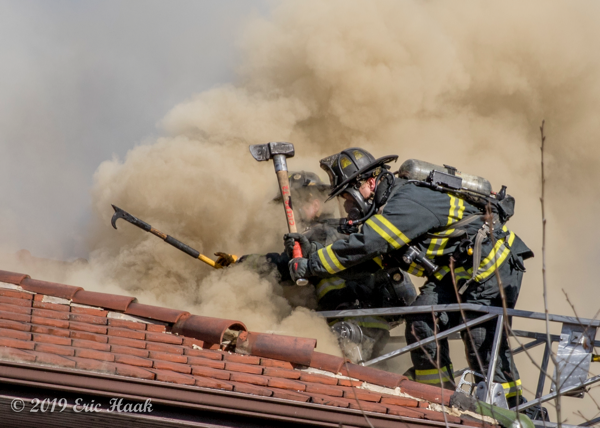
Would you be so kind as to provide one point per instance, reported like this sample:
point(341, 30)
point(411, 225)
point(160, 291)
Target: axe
point(119, 213)
point(279, 152)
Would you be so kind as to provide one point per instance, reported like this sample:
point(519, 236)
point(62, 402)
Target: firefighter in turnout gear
point(362, 337)
point(429, 229)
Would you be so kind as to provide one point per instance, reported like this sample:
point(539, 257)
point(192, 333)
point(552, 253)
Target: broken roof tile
point(287, 348)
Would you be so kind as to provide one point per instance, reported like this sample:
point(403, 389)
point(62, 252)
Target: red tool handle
point(297, 253)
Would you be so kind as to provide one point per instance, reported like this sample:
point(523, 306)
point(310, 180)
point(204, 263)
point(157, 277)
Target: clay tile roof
point(57, 328)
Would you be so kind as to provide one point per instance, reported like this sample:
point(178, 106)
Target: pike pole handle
point(119, 213)
point(284, 186)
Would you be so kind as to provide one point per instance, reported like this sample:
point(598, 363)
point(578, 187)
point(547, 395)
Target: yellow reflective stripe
point(328, 284)
point(493, 260)
point(335, 260)
point(388, 231)
point(329, 260)
point(432, 376)
point(415, 269)
point(441, 272)
point(378, 261)
point(512, 389)
point(324, 261)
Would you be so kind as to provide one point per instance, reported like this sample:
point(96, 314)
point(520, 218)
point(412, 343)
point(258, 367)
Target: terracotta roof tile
point(51, 322)
point(127, 324)
point(88, 319)
point(169, 376)
point(44, 329)
point(164, 356)
point(164, 338)
point(367, 406)
point(88, 311)
point(243, 368)
point(142, 353)
point(14, 316)
point(251, 389)
point(14, 325)
point(49, 288)
point(104, 300)
point(49, 338)
point(83, 326)
point(132, 371)
point(213, 383)
point(52, 359)
point(286, 394)
point(404, 411)
point(16, 354)
point(16, 343)
point(90, 344)
point(125, 332)
point(283, 373)
point(165, 347)
point(54, 349)
point(50, 306)
point(210, 372)
point(249, 378)
point(207, 362)
point(268, 362)
point(16, 294)
point(318, 378)
point(12, 277)
point(132, 360)
point(15, 334)
point(205, 353)
point(399, 401)
point(277, 382)
point(84, 335)
point(96, 337)
point(328, 400)
point(15, 301)
point(319, 388)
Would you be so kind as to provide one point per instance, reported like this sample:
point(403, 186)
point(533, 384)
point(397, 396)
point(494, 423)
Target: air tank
point(414, 169)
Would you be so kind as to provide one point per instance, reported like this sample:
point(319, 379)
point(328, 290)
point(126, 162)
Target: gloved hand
point(224, 260)
point(299, 268)
point(305, 245)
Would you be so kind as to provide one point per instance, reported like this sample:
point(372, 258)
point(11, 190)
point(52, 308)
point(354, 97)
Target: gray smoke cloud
point(465, 84)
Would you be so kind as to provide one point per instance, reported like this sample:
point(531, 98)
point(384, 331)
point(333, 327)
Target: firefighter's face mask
point(355, 205)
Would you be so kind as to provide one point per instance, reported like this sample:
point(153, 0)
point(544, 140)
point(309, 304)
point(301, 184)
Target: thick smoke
point(465, 84)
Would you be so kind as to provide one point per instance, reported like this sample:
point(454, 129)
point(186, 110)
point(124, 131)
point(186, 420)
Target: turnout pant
point(432, 364)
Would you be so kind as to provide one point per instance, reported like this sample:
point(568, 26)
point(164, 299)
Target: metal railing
point(489, 313)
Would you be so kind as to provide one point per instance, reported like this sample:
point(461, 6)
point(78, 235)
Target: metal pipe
point(544, 367)
point(454, 307)
point(527, 346)
point(494, 356)
point(430, 339)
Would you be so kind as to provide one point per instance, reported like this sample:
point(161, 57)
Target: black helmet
point(351, 165)
point(347, 169)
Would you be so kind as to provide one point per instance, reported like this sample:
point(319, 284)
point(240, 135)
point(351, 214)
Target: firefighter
point(417, 219)
point(360, 338)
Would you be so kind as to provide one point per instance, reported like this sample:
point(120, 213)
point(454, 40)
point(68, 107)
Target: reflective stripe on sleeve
point(388, 231)
point(495, 258)
point(455, 213)
point(329, 260)
point(329, 284)
point(432, 376)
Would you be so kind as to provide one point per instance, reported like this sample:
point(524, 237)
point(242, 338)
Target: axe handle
point(284, 186)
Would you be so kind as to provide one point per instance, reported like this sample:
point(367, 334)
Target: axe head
point(119, 213)
point(264, 152)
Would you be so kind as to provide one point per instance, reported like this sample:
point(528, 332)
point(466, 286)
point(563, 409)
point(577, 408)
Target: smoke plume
point(463, 83)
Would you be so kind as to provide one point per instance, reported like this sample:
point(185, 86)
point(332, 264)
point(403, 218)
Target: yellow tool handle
point(595, 358)
point(208, 261)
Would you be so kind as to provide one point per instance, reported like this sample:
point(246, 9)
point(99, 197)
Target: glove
point(306, 246)
point(224, 260)
point(299, 269)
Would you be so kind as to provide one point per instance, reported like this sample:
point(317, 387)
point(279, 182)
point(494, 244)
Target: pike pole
point(119, 213)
